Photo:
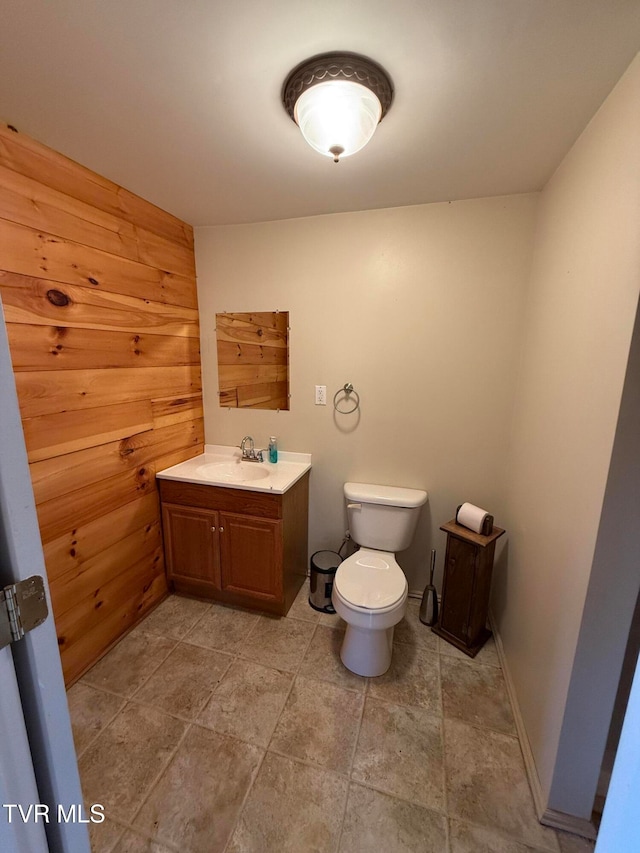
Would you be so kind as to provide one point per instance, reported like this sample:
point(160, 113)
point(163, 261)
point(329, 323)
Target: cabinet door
point(251, 550)
point(192, 552)
point(460, 568)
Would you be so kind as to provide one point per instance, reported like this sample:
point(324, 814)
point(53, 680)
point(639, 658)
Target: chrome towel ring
point(349, 394)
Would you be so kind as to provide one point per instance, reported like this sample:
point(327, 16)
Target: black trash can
point(324, 565)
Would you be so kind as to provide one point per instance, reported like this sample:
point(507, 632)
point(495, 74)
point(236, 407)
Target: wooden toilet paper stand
point(464, 605)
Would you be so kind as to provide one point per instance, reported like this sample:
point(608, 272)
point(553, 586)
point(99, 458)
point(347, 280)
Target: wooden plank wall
point(253, 360)
point(99, 295)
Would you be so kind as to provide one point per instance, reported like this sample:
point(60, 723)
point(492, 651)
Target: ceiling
point(179, 100)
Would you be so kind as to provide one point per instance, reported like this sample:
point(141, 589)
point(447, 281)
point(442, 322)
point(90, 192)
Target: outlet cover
point(321, 395)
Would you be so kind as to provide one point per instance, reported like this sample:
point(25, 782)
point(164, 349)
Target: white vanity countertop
point(220, 465)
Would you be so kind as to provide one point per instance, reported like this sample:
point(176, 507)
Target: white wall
point(579, 321)
point(488, 371)
point(421, 309)
point(608, 613)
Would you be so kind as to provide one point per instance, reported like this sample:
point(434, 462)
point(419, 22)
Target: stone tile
point(90, 709)
point(466, 838)
point(131, 842)
point(279, 643)
point(211, 775)
point(411, 630)
point(488, 654)
point(376, 821)
point(332, 620)
point(292, 808)
point(487, 784)
point(247, 702)
point(319, 724)
point(298, 798)
point(301, 609)
point(222, 628)
point(574, 844)
point(400, 752)
point(490, 706)
point(104, 836)
point(130, 663)
point(322, 660)
point(412, 679)
point(183, 684)
point(119, 767)
point(175, 616)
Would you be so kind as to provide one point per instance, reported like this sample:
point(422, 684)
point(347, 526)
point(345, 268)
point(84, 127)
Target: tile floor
point(209, 729)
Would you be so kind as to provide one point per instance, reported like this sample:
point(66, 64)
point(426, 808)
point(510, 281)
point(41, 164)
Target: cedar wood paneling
point(99, 294)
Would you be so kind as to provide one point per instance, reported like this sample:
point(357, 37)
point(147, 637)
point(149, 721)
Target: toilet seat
point(371, 582)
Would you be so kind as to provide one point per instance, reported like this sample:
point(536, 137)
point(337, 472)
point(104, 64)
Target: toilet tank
point(383, 517)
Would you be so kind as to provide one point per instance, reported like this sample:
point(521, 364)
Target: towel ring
point(347, 389)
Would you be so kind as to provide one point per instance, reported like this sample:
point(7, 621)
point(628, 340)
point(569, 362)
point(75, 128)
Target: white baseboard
point(546, 816)
point(418, 593)
point(569, 823)
point(539, 800)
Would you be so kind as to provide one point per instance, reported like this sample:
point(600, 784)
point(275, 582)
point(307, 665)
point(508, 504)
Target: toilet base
point(367, 652)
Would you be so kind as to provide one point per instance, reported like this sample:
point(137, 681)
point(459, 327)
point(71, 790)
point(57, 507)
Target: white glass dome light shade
point(337, 100)
point(337, 117)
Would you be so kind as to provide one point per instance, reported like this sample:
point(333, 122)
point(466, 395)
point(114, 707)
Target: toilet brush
point(429, 606)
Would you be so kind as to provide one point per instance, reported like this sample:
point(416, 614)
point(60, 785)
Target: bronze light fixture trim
point(337, 100)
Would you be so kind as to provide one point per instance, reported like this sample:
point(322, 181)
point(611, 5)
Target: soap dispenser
point(273, 449)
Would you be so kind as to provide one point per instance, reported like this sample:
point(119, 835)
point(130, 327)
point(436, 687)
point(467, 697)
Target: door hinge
point(23, 606)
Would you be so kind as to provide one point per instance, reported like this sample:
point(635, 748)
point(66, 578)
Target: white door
point(620, 829)
point(17, 779)
point(39, 781)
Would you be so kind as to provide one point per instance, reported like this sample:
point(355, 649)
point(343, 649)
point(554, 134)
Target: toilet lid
point(370, 579)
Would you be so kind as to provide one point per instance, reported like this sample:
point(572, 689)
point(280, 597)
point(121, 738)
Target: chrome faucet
point(248, 450)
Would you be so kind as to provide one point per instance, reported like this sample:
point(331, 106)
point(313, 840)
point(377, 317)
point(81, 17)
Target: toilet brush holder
point(429, 605)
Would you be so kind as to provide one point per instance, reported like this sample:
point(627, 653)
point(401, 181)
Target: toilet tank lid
point(387, 495)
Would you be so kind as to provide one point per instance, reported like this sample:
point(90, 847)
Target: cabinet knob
point(222, 530)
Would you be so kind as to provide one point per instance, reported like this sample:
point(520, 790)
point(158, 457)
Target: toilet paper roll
point(471, 516)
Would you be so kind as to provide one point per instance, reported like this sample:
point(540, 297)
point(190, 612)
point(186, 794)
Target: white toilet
point(370, 589)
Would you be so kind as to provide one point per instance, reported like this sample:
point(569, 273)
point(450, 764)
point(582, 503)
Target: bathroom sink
point(233, 472)
point(222, 465)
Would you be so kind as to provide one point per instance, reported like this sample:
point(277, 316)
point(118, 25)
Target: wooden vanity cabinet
point(251, 557)
point(236, 546)
point(191, 547)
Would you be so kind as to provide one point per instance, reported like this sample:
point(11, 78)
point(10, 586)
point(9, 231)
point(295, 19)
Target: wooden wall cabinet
point(236, 546)
point(468, 566)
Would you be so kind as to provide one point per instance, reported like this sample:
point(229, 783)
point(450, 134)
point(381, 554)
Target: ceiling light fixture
point(337, 101)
